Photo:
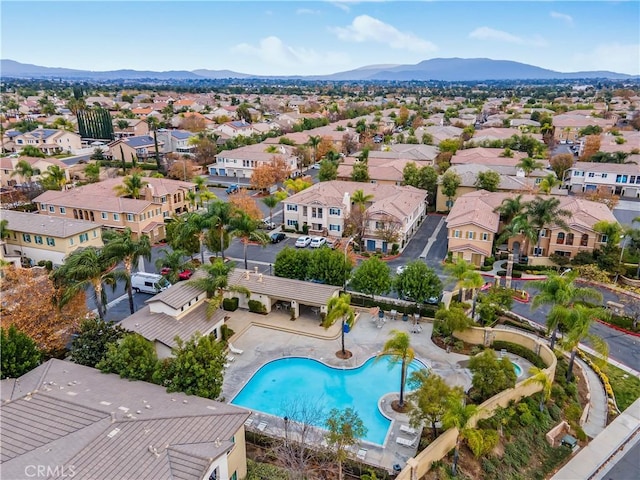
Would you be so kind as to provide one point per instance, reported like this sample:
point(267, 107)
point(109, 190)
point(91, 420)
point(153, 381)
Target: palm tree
point(465, 276)
point(458, 416)
point(563, 295)
point(510, 208)
point(340, 308)
point(201, 186)
point(24, 169)
point(360, 199)
point(220, 214)
point(548, 183)
point(131, 186)
point(313, 142)
point(122, 247)
point(332, 156)
point(246, 229)
point(519, 226)
point(55, 177)
point(195, 225)
point(399, 349)
point(216, 282)
point(528, 165)
point(580, 319)
point(174, 261)
point(83, 268)
point(271, 201)
point(541, 377)
point(546, 211)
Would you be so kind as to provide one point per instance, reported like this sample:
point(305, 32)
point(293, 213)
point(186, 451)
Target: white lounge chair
point(235, 350)
point(262, 426)
point(408, 429)
point(249, 422)
point(405, 442)
point(230, 358)
point(361, 453)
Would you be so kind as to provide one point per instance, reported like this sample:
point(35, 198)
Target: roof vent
point(255, 269)
point(260, 277)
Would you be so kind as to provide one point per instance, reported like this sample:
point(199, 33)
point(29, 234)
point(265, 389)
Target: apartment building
point(619, 178)
point(242, 161)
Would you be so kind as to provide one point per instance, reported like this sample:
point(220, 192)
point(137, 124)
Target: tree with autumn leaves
point(267, 174)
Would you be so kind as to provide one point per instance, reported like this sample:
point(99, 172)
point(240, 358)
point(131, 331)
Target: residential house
point(334, 132)
point(176, 141)
point(473, 226)
point(494, 133)
point(41, 237)
point(65, 420)
point(618, 178)
point(10, 178)
point(135, 127)
point(139, 148)
point(394, 211)
point(486, 156)
point(568, 125)
point(98, 202)
point(236, 128)
point(439, 132)
point(626, 141)
point(386, 171)
point(406, 151)
point(48, 140)
point(241, 162)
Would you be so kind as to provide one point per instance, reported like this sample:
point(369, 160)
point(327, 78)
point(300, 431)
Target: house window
point(38, 239)
point(485, 237)
point(471, 235)
point(71, 241)
point(334, 211)
point(569, 239)
point(456, 234)
point(63, 210)
point(95, 234)
point(26, 237)
point(215, 475)
point(538, 181)
point(584, 241)
point(543, 232)
point(51, 242)
point(316, 212)
point(334, 228)
point(84, 237)
point(604, 175)
point(538, 251)
point(163, 199)
point(591, 174)
point(561, 253)
point(104, 215)
point(621, 178)
point(560, 238)
point(604, 239)
point(43, 206)
point(292, 223)
point(116, 217)
point(632, 179)
point(129, 217)
point(292, 208)
point(52, 209)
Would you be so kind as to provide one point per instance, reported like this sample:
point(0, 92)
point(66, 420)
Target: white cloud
point(307, 11)
point(368, 29)
point(568, 19)
point(487, 33)
point(274, 53)
point(614, 57)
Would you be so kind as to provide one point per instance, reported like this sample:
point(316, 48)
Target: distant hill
point(443, 69)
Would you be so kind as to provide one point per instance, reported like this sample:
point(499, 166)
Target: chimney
point(260, 277)
point(246, 274)
point(148, 194)
point(255, 269)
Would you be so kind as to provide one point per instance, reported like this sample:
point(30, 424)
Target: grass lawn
point(625, 387)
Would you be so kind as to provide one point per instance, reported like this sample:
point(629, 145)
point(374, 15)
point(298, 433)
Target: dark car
point(232, 189)
point(278, 237)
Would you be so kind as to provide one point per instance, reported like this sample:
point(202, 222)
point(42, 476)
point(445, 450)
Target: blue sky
point(310, 37)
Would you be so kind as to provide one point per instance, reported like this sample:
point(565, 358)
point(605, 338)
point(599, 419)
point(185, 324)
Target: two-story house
point(236, 128)
point(127, 148)
point(98, 202)
point(473, 225)
point(619, 178)
point(41, 237)
point(135, 127)
point(392, 215)
point(568, 125)
point(241, 162)
point(176, 141)
point(48, 140)
point(10, 176)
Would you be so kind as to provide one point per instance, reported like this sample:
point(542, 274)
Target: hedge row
point(520, 351)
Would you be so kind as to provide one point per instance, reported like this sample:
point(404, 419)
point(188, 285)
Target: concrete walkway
point(596, 420)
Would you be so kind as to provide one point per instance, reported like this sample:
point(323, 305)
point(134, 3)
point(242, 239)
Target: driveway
point(429, 244)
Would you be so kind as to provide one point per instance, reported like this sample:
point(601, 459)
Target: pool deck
point(263, 338)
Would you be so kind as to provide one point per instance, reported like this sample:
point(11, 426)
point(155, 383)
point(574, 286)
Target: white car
point(400, 269)
point(317, 242)
point(303, 241)
point(316, 166)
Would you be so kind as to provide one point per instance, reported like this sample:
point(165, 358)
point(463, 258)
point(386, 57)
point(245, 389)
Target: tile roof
point(63, 413)
point(139, 141)
point(486, 156)
point(38, 224)
point(78, 198)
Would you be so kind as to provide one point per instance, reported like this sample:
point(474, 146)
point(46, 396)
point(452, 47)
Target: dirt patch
point(456, 347)
point(344, 355)
point(395, 405)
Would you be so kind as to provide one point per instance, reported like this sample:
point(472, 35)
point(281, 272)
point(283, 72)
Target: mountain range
point(440, 69)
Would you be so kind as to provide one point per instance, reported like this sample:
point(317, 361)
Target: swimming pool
point(273, 387)
point(517, 368)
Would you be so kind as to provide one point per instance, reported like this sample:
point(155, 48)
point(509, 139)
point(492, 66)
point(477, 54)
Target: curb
point(619, 329)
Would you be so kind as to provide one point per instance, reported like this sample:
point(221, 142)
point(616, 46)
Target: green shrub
point(516, 274)
point(520, 351)
point(256, 306)
point(486, 268)
point(489, 261)
point(305, 229)
point(230, 304)
point(226, 332)
point(501, 273)
point(555, 412)
point(48, 264)
point(394, 249)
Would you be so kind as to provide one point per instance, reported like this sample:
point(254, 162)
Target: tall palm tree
point(540, 377)
point(399, 349)
point(458, 415)
point(340, 308)
point(546, 211)
point(580, 319)
point(548, 183)
point(360, 199)
point(122, 247)
point(519, 226)
point(313, 142)
point(465, 276)
point(55, 178)
point(528, 165)
point(87, 267)
point(220, 214)
point(561, 292)
point(201, 187)
point(510, 208)
point(216, 282)
point(24, 169)
point(131, 186)
point(271, 201)
point(246, 229)
point(195, 226)
point(174, 261)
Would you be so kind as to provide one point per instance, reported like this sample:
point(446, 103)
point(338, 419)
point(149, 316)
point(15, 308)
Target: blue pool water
point(518, 369)
point(277, 384)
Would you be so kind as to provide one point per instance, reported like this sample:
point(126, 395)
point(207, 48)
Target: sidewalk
point(596, 420)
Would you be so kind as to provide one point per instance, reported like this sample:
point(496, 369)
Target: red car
point(165, 271)
point(185, 274)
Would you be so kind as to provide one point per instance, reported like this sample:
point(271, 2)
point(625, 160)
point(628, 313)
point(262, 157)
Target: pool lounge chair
point(230, 358)
point(408, 429)
point(405, 442)
point(361, 453)
point(262, 426)
point(235, 350)
point(249, 422)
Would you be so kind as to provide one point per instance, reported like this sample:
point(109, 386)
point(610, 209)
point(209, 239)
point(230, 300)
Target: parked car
point(316, 166)
point(185, 274)
point(277, 237)
point(149, 283)
point(400, 269)
point(267, 224)
point(165, 271)
point(303, 241)
point(317, 242)
point(234, 188)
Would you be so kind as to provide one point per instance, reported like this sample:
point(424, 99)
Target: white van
point(149, 282)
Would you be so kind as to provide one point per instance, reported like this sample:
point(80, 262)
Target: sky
point(318, 37)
